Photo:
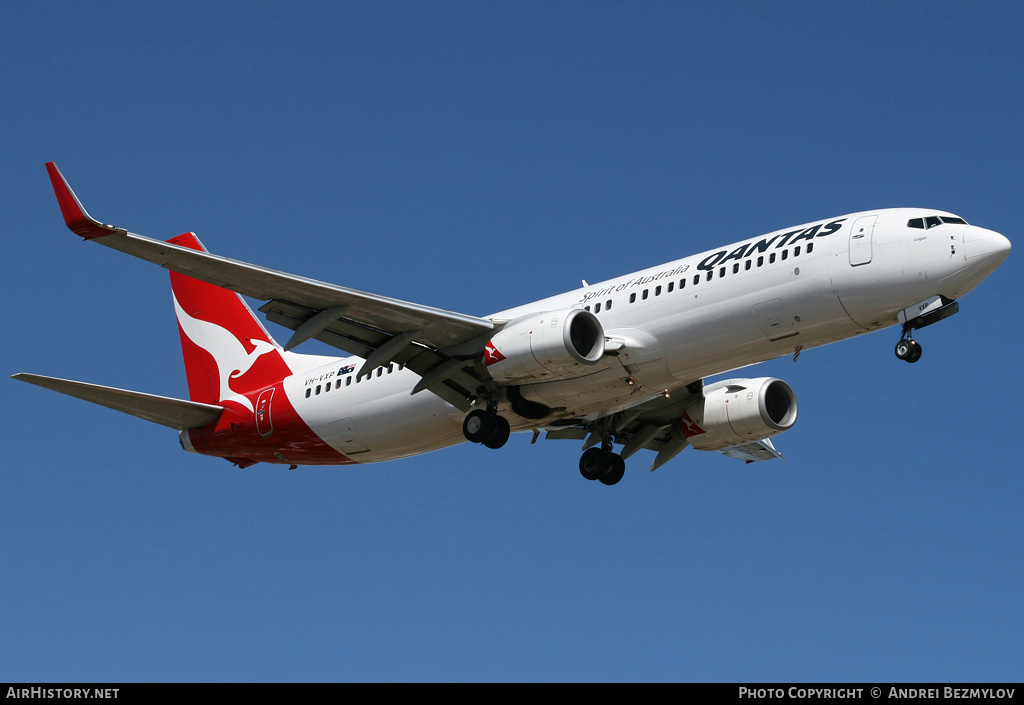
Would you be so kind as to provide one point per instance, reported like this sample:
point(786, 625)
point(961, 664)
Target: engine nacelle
point(739, 411)
point(547, 345)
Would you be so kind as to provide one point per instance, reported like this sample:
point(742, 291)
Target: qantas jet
point(618, 362)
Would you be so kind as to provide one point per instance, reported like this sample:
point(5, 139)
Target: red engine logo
point(690, 427)
point(491, 355)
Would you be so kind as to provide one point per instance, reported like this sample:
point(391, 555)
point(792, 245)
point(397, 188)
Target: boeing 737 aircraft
point(618, 362)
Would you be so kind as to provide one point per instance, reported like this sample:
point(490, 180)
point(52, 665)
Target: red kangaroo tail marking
point(228, 354)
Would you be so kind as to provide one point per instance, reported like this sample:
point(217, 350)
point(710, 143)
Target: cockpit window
point(933, 221)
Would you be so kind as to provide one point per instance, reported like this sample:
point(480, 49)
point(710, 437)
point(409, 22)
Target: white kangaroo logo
point(227, 351)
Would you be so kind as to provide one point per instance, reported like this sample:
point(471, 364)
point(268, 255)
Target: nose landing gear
point(908, 349)
point(916, 317)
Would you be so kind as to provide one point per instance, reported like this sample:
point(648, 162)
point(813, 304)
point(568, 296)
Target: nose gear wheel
point(908, 350)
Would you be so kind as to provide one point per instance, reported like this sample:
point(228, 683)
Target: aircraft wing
point(167, 411)
point(378, 328)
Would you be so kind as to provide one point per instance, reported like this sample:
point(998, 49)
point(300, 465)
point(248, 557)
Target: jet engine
point(738, 411)
point(543, 346)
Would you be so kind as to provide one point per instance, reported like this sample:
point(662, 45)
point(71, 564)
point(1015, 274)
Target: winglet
point(75, 216)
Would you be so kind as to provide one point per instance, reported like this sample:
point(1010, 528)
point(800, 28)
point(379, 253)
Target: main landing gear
point(486, 427)
point(602, 464)
point(493, 431)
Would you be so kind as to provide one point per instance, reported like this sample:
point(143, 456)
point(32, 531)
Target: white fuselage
point(676, 323)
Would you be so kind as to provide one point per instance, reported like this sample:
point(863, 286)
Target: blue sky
point(473, 157)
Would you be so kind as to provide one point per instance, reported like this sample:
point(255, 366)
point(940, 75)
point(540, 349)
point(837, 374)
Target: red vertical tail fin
point(229, 356)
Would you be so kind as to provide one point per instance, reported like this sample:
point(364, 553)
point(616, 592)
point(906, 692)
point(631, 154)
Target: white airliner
point(618, 362)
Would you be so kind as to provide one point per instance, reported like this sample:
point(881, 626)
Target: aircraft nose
point(985, 249)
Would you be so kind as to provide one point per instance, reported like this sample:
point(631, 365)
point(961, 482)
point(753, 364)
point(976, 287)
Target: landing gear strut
point(487, 428)
point(602, 464)
point(909, 349)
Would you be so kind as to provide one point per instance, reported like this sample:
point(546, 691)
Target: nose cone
point(985, 250)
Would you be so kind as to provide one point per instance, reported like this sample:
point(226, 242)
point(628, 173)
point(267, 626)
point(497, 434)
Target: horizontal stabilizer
point(176, 413)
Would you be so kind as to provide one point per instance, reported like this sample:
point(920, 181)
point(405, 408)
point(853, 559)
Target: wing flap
point(166, 411)
point(753, 451)
point(456, 388)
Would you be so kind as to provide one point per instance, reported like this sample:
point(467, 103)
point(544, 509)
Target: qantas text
point(747, 249)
